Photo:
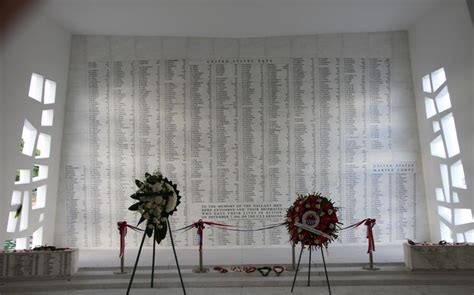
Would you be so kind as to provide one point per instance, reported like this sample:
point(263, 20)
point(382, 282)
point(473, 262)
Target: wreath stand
point(309, 268)
point(153, 260)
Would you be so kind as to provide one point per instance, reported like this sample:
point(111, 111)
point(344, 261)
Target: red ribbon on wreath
point(200, 228)
point(370, 223)
point(122, 227)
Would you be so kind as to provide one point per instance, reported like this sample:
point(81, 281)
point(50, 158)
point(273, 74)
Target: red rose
point(327, 206)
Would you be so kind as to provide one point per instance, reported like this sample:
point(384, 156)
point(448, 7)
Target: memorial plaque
point(241, 136)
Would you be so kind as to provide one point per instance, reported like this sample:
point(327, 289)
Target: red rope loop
point(122, 227)
point(200, 231)
point(370, 223)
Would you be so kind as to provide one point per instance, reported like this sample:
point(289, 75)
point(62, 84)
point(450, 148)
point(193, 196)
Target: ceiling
point(235, 18)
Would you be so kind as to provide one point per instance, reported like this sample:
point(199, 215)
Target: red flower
point(319, 204)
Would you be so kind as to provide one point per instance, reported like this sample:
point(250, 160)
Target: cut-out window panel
point(49, 92)
point(450, 135)
point(9, 245)
point(445, 213)
point(445, 179)
point(438, 78)
point(22, 176)
point(41, 217)
point(436, 126)
point(34, 195)
point(37, 239)
point(457, 174)
point(437, 147)
point(38, 200)
point(460, 238)
point(440, 194)
point(21, 243)
point(446, 233)
point(36, 171)
point(25, 211)
point(427, 84)
point(462, 216)
point(47, 117)
point(16, 198)
point(28, 138)
point(36, 87)
point(455, 197)
point(430, 107)
point(443, 101)
point(469, 236)
point(44, 146)
point(12, 221)
point(40, 172)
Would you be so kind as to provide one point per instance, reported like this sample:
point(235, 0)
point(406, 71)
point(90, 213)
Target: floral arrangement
point(316, 212)
point(157, 199)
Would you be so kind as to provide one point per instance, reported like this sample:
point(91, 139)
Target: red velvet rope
point(370, 223)
point(200, 228)
point(122, 227)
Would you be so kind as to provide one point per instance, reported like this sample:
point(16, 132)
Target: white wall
point(444, 38)
point(34, 44)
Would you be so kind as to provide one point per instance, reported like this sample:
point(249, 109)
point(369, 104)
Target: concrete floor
point(336, 290)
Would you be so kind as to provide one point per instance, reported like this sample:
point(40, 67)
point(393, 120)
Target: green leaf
point(141, 220)
point(138, 183)
point(160, 234)
point(135, 196)
point(152, 179)
point(134, 207)
point(149, 231)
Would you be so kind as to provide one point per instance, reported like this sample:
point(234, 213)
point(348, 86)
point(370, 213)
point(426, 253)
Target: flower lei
point(157, 199)
point(315, 211)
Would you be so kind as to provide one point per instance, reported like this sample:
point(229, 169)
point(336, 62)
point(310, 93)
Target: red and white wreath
point(312, 220)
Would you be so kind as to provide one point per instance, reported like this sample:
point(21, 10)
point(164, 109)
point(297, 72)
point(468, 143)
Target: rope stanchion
point(200, 226)
point(369, 223)
point(122, 228)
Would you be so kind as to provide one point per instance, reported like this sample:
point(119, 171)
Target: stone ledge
point(439, 257)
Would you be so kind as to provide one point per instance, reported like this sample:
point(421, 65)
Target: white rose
point(172, 200)
point(158, 200)
point(331, 225)
point(156, 187)
point(330, 211)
